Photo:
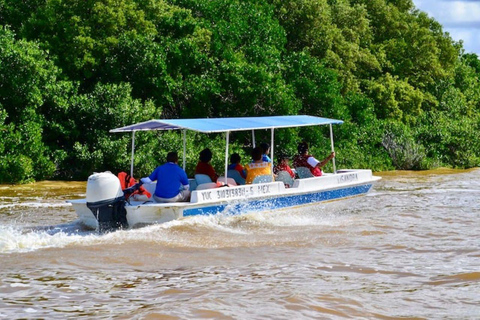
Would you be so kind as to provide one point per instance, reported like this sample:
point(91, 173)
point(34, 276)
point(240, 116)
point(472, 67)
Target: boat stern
point(85, 215)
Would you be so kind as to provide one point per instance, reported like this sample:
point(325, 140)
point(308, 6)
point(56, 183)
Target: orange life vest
point(127, 181)
point(257, 169)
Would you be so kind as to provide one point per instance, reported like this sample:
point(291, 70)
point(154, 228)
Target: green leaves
point(26, 79)
point(71, 71)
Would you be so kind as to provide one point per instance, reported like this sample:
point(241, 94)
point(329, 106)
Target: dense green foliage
point(72, 70)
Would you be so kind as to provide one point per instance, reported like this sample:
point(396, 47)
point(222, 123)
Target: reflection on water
point(409, 249)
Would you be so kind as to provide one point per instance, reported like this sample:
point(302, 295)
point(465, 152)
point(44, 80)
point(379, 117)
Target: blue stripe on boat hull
point(280, 202)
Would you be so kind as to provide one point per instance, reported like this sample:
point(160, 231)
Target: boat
point(104, 199)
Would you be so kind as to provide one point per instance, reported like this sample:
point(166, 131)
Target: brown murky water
point(410, 249)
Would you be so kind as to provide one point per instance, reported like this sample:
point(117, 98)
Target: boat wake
point(216, 230)
point(24, 239)
point(32, 204)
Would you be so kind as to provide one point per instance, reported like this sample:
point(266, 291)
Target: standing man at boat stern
point(172, 181)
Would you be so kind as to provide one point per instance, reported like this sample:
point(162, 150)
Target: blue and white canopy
point(211, 125)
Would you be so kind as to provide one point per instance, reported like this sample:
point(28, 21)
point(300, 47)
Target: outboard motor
point(106, 200)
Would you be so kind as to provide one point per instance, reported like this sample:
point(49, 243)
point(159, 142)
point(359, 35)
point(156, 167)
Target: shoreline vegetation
point(72, 70)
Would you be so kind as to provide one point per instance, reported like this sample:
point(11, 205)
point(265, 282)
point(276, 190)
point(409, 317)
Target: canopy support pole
point(184, 132)
point(333, 148)
point(271, 149)
point(253, 138)
point(133, 153)
point(227, 137)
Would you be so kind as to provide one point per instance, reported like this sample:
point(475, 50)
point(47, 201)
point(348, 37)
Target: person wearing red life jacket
point(283, 165)
point(204, 166)
point(303, 159)
point(127, 181)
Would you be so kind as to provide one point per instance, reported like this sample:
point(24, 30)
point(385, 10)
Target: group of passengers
point(173, 185)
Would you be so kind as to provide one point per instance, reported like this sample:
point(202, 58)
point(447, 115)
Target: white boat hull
point(244, 199)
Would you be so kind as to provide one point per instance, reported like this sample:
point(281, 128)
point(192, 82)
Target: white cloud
point(460, 18)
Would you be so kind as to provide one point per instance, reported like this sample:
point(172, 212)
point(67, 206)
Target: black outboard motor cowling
point(110, 214)
point(106, 200)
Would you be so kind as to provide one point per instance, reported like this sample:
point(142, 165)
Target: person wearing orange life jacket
point(127, 181)
point(258, 167)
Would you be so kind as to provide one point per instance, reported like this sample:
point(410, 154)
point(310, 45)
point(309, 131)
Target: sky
point(460, 18)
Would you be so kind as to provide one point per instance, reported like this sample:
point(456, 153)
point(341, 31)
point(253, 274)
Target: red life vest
point(301, 160)
point(127, 181)
point(283, 167)
point(206, 168)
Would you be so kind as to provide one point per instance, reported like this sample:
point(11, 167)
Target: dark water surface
point(410, 249)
